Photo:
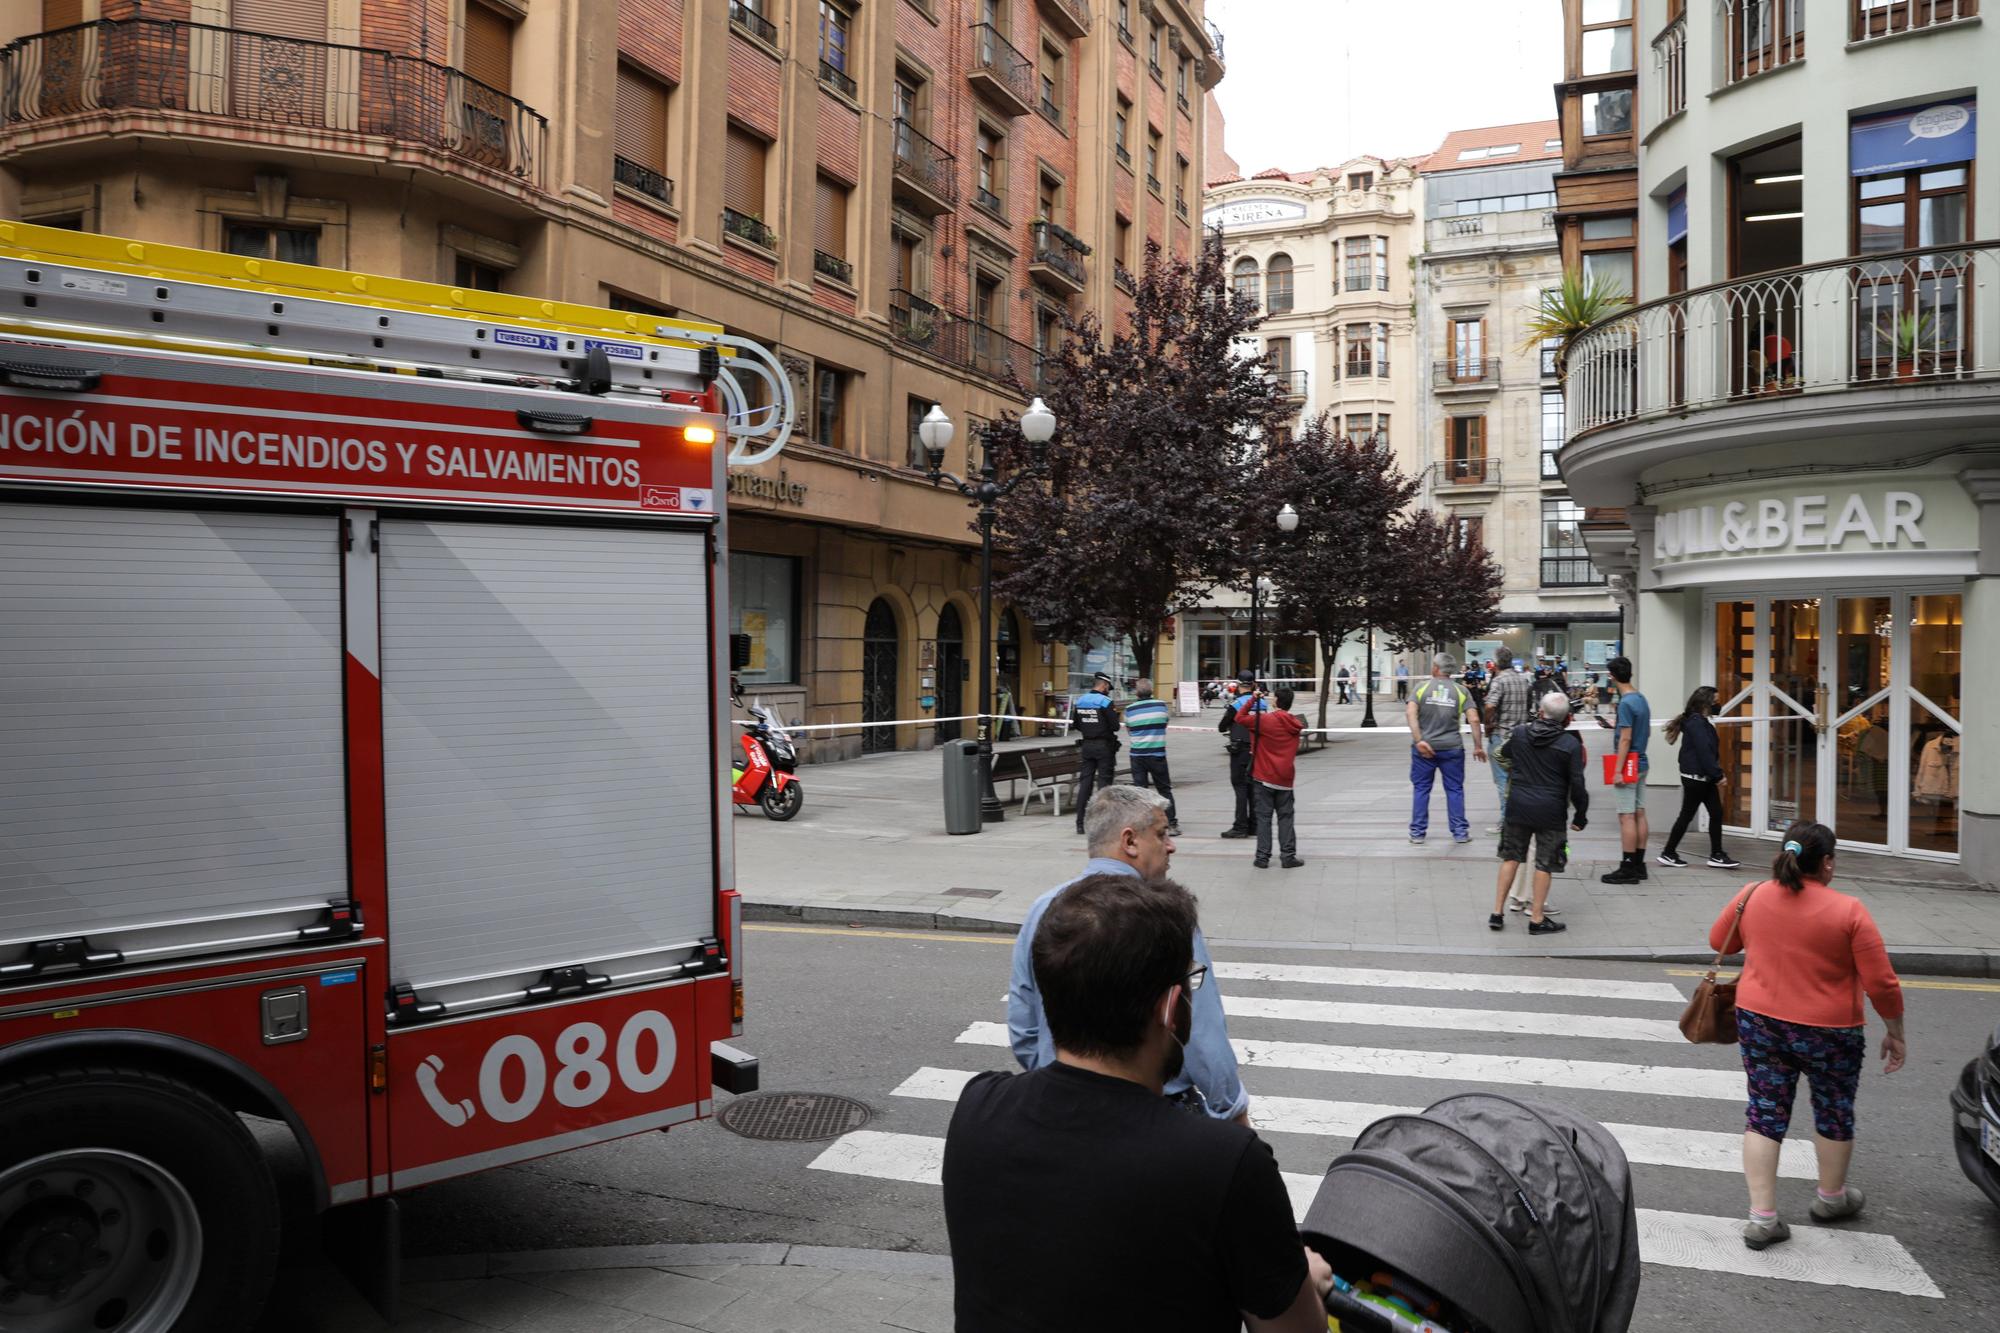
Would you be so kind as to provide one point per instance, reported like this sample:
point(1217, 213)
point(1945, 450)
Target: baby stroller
point(1482, 1215)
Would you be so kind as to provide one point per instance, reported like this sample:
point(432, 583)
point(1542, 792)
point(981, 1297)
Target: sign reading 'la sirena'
point(1252, 212)
point(1796, 523)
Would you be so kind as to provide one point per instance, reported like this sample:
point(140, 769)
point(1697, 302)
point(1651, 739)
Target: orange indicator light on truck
point(699, 434)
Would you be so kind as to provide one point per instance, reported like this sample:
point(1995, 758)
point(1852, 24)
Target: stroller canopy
point(1518, 1213)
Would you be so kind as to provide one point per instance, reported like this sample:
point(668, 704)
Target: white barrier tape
point(1314, 731)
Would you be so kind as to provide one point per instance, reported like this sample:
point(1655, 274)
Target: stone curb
point(463, 1267)
point(1923, 960)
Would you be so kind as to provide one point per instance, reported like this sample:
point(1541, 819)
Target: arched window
point(1278, 284)
point(1244, 278)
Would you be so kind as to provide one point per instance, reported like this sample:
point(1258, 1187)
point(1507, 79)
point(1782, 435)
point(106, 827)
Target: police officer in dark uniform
point(1095, 717)
point(1240, 757)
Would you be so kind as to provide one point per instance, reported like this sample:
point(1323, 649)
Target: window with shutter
point(830, 217)
point(743, 173)
point(639, 134)
point(303, 19)
point(489, 47)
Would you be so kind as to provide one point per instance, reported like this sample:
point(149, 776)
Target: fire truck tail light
point(378, 1068)
point(736, 1007)
point(699, 434)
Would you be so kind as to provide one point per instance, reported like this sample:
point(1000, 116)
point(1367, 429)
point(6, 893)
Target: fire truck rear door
point(549, 765)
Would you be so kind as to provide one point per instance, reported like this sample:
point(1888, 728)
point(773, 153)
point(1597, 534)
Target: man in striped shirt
point(1146, 719)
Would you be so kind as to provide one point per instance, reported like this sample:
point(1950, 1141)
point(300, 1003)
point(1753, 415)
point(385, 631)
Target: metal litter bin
point(961, 786)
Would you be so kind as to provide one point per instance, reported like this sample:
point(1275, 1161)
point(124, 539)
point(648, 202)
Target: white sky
point(1313, 82)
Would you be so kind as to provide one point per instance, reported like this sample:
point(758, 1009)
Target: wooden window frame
point(834, 436)
point(993, 166)
point(1912, 199)
point(1465, 447)
point(1271, 284)
point(1360, 180)
point(1379, 253)
point(1468, 369)
point(1053, 58)
point(844, 15)
point(1358, 337)
point(1631, 42)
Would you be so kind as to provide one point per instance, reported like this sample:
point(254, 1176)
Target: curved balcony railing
point(1910, 317)
point(246, 77)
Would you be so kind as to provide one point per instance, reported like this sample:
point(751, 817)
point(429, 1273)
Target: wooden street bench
point(1054, 768)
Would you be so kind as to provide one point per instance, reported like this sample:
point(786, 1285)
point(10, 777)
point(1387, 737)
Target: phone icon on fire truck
point(451, 1112)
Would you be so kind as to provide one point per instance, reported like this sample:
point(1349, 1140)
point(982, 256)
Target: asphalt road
point(861, 1013)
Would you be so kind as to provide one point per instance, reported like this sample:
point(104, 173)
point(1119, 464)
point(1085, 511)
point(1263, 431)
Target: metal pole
point(1368, 680)
point(990, 809)
point(1256, 665)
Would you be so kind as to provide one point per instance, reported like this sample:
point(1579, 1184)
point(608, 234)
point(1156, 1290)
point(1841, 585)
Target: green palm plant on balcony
point(1561, 315)
point(1911, 338)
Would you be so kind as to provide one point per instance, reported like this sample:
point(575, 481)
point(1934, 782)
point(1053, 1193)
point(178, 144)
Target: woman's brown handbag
point(1710, 1016)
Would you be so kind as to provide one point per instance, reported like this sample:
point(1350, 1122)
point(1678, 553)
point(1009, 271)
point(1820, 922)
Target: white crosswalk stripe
point(1834, 1257)
point(1676, 1240)
point(1489, 983)
point(1530, 1071)
point(1646, 1145)
point(1430, 1019)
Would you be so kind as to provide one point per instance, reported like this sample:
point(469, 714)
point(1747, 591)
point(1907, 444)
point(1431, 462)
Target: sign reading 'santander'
point(1857, 521)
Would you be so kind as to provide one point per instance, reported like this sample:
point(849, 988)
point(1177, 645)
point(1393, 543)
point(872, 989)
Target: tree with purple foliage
point(1446, 588)
point(1342, 563)
point(1141, 511)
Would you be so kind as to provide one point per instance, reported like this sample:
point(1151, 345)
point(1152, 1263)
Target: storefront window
point(1735, 672)
point(763, 603)
point(1935, 629)
point(1865, 636)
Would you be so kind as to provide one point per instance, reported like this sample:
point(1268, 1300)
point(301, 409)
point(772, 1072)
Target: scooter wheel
point(782, 805)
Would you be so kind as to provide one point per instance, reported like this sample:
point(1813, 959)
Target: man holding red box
point(1633, 727)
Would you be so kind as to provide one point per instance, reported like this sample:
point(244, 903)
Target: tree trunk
point(1325, 686)
point(1142, 653)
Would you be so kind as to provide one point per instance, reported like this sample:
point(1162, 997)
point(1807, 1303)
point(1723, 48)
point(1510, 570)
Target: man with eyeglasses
point(1125, 828)
point(1076, 1195)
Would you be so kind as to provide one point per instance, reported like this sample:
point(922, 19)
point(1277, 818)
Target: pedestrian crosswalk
point(1288, 1039)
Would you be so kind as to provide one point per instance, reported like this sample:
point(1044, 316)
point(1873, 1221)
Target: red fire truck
point(363, 751)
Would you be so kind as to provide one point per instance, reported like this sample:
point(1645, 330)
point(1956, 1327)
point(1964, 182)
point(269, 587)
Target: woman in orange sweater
point(1809, 953)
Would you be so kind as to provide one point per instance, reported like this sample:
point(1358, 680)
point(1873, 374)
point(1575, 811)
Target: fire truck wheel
point(129, 1201)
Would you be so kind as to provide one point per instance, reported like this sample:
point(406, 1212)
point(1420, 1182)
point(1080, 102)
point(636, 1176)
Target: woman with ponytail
point(1701, 779)
point(1809, 952)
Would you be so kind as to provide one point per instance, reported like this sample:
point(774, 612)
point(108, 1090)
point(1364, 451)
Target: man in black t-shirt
point(1077, 1196)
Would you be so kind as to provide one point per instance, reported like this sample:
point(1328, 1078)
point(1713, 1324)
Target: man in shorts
point(1547, 782)
point(1631, 730)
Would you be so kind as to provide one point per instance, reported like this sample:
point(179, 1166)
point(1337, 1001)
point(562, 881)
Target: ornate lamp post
point(1261, 587)
point(1038, 426)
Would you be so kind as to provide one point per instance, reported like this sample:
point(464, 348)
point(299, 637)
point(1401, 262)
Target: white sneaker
point(1522, 905)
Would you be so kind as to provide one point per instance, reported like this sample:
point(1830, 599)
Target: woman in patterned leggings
point(1798, 1011)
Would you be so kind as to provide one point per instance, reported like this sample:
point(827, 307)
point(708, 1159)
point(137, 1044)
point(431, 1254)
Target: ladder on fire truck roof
point(56, 283)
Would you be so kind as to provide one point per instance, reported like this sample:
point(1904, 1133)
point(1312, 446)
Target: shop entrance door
point(1842, 709)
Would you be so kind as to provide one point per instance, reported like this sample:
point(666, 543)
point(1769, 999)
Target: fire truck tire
point(130, 1200)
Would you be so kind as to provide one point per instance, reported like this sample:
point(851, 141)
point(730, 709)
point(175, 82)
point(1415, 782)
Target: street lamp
point(1260, 587)
point(1038, 426)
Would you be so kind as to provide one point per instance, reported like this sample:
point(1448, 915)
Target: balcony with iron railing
point(1291, 383)
point(1124, 156)
point(915, 319)
point(746, 19)
point(1759, 36)
point(1470, 470)
point(1465, 372)
point(1000, 73)
point(653, 184)
point(1570, 571)
point(837, 79)
point(1849, 348)
point(1056, 260)
point(133, 76)
point(1670, 76)
point(1875, 19)
point(744, 227)
point(1121, 277)
point(1180, 203)
point(833, 266)
point(920, 323)
point(926, 175)
point(1071, 18)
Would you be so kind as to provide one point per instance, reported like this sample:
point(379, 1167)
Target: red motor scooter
point(763, 776)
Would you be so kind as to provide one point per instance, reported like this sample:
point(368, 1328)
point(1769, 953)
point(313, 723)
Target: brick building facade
point(903, 197)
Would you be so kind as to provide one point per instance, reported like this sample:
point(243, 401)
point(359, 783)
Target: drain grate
point(972, 893)
point(794, 1117)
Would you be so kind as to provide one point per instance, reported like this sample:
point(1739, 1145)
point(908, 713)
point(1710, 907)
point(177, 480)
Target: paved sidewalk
point(870, 848)
point(650, 1289)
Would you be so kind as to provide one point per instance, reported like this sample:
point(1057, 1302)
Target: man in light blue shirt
point(1127, 831)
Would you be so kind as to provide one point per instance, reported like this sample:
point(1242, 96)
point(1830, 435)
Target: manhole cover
point(793, 1117)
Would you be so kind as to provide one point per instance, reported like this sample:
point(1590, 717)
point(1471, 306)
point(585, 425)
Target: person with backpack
point(1547, 785)
point(1809, 953)
point(1701, 778)
point(1437, 750)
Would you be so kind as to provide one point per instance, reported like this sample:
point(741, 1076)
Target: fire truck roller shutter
point(170, 724)
point(549, 773)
